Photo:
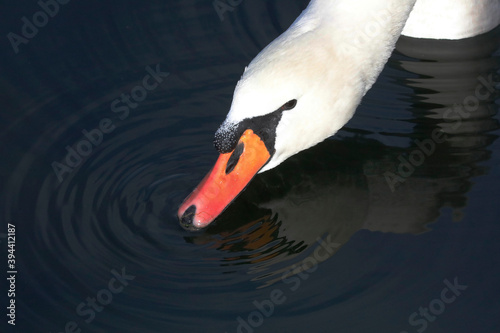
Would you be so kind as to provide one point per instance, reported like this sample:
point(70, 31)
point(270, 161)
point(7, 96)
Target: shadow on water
point(384, 206)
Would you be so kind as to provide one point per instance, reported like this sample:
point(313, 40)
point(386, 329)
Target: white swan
point(305, 85)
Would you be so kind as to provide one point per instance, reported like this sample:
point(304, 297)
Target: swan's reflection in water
point(357, 182)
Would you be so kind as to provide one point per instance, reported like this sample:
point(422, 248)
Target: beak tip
point(192, 220)
point(187, 218)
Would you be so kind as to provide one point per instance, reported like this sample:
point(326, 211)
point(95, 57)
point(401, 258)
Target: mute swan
point(305, 85)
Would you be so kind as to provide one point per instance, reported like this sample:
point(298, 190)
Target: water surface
point(355, 234)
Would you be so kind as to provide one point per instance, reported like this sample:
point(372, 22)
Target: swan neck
point(364, 34)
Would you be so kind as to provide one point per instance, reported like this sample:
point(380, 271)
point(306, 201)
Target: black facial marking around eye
point(288, 105)
point(227, 136)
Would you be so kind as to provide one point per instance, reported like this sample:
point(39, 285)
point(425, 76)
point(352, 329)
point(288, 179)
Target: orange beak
point(230, 175)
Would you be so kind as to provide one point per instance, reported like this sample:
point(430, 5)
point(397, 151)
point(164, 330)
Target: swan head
point(289, 98)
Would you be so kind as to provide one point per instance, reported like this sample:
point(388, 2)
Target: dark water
point(391, 226)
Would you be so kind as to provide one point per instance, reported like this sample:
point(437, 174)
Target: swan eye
point(289, 105)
